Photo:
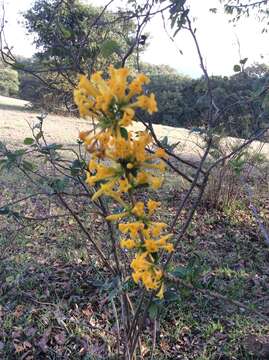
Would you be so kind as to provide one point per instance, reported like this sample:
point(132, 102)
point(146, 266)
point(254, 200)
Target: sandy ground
point(16, 119)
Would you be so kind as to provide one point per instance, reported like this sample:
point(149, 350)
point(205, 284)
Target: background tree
point(183, 101)
point(9, 81)
point(71, 37)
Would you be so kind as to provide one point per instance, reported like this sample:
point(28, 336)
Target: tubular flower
point(120, 163)
point(113, 98)
point(152, 206)
point(138, 209)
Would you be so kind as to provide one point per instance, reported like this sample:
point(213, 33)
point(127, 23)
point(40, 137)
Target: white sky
point(217, 38)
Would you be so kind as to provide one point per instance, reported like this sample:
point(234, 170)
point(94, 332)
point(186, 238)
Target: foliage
point(70, 37)
point(9, 81)
point(183, 102)
point(239, 9)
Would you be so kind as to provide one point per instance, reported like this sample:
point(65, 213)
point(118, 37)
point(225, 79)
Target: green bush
point(9, 82)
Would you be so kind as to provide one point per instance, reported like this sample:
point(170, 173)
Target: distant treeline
point(239, 99)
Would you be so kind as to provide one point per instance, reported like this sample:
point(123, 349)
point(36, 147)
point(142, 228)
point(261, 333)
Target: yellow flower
point(156, 228)
point(138, 209)
point(124, 185)
point(93, 165)
point(160, 292)
point(85, 83)
point(147, 103)
point(136, 276)
point(118, 81)
point(140, 262)
point(128, 244)
point(119, 216)
point(120, 161)
point(103, 172)
point(136, 85)
point(103, 102)
point(142, 178)
point(152, 206)
point(104, 189)
point(127, 118)
point(151, 245)
point(155, 182)
point(83, 135)
point(169, 248)
point(160, 153)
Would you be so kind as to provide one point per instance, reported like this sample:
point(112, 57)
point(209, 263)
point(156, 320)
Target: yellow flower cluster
point(120, 164)
point(113, 101)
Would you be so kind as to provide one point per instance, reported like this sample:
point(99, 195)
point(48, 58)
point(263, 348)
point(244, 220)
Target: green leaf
point(164, 141)
point(181, 272)
point(243, 61)
point(265, 103)
point(28, 141)
point(28, 166)
point(76, 167)
point(51, 147)
point(59, 185)
point(109, 47)
point(237, 68)
point(19, 152)
point(153, 311)
point(4, 211)
point(66, 32)
point(124, 133)
point(171, 295)
point(3, 163)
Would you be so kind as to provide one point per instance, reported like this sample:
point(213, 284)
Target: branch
point(85, 231)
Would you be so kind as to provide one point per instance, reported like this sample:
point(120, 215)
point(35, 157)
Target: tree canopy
point(71, 37)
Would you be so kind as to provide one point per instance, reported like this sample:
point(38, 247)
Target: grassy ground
point(51, 306)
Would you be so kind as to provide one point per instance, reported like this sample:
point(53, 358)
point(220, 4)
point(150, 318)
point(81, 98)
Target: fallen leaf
point(60, 338)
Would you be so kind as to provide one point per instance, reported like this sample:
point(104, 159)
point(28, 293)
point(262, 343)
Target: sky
point(219, 40)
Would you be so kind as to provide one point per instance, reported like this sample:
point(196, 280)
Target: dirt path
point(15, 119)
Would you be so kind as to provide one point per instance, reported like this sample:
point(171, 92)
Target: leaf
point(109, 47)
point(243, 61)
point(66, 32)
point(213, 10)
point(28, 141)
point(153, 311)
point(60, 338)
point(265, 103)
point(237, 68)
point(28, 166)
point(76, 167)
point(171, 295)
point(180, 272)
point(164, 141)
point(2, 163)
point(124, 133)
point(51, 147)
point(19, 152)
point(59, 184)
point(4, 211)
